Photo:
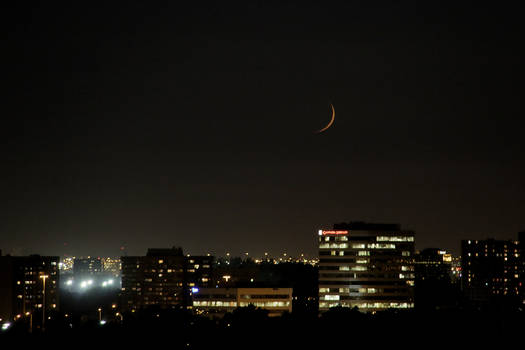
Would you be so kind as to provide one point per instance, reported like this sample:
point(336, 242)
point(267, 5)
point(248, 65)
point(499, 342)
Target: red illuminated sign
point(334, 232)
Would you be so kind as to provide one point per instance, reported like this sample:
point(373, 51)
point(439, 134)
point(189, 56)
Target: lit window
point(381, 246)
point(359, 268)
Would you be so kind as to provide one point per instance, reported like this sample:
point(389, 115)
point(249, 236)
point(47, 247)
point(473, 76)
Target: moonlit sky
point(145, 124)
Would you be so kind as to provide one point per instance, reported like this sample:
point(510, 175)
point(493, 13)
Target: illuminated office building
point(22, 281)
point(491, 270)
point(369, 266)
point(218, 301)
point(164, 278)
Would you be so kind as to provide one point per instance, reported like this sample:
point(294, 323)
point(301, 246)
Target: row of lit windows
point(262, 304)
point(337, 239)
point(264, 296)
point(343, 291)
point(215, 303)
point(333, 245)
point(378, 238)
point(395, 238)
point(358, 245)
point(359, 267)
point(360, 290)
point(392, 283)
point(359, 253)
point(266, 304)
point(325, 305)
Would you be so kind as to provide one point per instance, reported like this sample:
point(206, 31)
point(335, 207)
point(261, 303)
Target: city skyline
point(193, 125)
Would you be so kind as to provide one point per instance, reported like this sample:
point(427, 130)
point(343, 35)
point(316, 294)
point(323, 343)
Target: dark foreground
point(248, 328)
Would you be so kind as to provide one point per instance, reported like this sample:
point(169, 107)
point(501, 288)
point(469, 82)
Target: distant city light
point(194, 290)
point(6, 326)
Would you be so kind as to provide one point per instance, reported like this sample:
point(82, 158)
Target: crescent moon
point(331, 120)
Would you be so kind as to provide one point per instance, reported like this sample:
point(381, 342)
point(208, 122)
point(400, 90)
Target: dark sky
point(145, 124)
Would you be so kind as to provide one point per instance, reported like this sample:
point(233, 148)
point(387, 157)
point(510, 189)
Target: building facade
point(163, 278)
point(28, 285)
point(491, 271)
point(218, 301)
point(368, 266)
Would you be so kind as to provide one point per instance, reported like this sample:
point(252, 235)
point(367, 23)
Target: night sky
point(144, 124)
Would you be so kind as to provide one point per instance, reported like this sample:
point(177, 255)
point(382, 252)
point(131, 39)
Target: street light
point(30, 314)
point(43, 277)
point(99, 314)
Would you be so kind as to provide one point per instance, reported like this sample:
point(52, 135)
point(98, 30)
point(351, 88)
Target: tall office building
point(22, 282)
point(491, 270)
point(369, 266)
point(164, 278)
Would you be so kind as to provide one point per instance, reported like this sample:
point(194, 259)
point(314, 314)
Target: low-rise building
point(218, 301)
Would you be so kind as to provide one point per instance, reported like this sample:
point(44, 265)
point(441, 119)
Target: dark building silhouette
point(368, 266)
point(22, 281)
point(301, 278)
point(521, 263)
point(85, 267)
point(163, 278)
point(491, 272)
point(434, 287)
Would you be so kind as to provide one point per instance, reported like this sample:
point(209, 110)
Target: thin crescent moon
point(331, 120)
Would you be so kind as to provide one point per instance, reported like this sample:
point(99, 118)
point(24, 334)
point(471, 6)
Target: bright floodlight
point(194, 290)
point(83, 284)
point(102, 322)
point(110, 282)
point(5, 326)
point(90, 282)
point(104, 284)
point(69, 282)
